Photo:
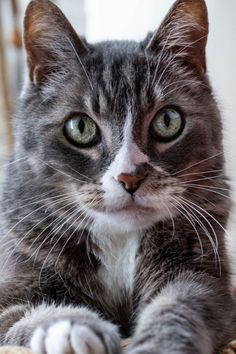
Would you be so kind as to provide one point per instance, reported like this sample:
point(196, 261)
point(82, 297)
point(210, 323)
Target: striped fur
point(79, 254)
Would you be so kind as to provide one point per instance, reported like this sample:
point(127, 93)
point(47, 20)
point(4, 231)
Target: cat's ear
point(183, 33)
point(49, 39)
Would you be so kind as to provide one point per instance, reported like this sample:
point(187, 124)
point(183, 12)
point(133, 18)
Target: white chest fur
point(118, 265)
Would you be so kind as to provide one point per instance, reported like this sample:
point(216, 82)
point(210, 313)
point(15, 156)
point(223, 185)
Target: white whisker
point(62, 172)
point(196, 186)
point(81, 63)
point(201, 173)
point(198, 163)
point(58, 240)
point(25, 236)
point(190, 218)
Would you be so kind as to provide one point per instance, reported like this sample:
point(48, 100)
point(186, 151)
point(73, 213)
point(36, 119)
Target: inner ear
point(49, 39)
point(183, 33)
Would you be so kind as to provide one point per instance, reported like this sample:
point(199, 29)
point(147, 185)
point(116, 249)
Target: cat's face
point(125, 126)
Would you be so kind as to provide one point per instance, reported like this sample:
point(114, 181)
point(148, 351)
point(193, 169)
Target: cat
point(115, 199)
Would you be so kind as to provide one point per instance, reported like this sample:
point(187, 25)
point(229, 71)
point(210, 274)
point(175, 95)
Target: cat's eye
point(81, 130)
point(167, 125)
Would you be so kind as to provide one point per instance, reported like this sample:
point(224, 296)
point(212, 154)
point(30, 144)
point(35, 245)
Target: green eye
point(81, 131)
point(167, 125)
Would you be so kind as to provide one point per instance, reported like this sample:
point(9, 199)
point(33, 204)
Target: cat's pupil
point(81, 126)
point(167, 120)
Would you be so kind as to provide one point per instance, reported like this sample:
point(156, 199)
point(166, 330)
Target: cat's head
point(128, 129)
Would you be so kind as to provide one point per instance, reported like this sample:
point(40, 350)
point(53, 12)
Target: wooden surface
point(230, 349)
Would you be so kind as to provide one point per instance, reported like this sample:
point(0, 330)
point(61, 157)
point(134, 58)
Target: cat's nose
point(131, 182)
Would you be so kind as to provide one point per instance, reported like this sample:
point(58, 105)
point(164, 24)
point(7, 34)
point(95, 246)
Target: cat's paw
point(68, 337)
point(143, 348)
point(163, 346)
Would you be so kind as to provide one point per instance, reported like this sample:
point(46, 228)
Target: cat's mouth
point(132, 208)
point(129, 216)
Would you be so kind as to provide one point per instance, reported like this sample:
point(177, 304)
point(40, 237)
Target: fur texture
point(80, 253)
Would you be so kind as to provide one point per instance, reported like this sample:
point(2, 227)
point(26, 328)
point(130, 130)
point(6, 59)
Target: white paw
point(63, 337)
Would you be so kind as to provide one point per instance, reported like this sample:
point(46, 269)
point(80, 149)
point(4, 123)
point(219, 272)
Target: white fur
point(115, 197)
point(57, 338)
point(118, 265)
point(126, 160)
point(83, 338)
point(117, 230)
point(65, 337)
point(37, 341)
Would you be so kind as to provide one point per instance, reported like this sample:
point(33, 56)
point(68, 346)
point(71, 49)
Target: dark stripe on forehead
point(121, 82)
point(96, 103)
point(116, 92)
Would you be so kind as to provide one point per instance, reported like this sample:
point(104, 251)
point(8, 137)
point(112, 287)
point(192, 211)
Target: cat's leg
point(191, 315)
point(58, 330)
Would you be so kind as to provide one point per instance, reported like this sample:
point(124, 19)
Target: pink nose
point(131, 182)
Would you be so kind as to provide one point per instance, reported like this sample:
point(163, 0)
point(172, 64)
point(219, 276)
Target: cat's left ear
point(50, 40)
point(183, 34)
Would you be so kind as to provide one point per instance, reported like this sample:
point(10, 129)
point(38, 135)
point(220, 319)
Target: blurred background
point(125, 19)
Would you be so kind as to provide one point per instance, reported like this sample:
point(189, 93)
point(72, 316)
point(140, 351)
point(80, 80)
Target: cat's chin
point(126, 220)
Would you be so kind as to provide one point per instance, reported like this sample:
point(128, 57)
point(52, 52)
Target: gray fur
point(180, 301)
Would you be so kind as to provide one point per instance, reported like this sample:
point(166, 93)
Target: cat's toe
point(53, 340)
point(85, 341)
point(65, 337)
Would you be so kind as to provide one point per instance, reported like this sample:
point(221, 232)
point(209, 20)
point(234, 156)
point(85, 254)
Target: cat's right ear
point(49, 39)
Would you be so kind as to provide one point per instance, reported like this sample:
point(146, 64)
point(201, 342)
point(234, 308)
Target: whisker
point(75, 230)
point(198, 163)
point(79, 173)
point(201, 173)
point(62, 172)
point(4, 165)
point(25, 236)
point(206, 212)
point(189, 183)
point(53, 222)
point(196, 186)
point(81, 63)
point(190, 218)
point(25, 217)
point(35, 202)
point(55, 244)
point(171, 217)
point(193, 207)
point(214, 245)
point(53, 233)
point(202, 197)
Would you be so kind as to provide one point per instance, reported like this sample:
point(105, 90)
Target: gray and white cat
point(115, 200)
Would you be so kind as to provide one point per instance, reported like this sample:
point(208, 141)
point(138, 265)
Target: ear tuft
point(49, 38)
point(184, 33)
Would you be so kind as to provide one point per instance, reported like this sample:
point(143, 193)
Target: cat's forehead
point(113, 50)
point(121, 74)
point(118, 61)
